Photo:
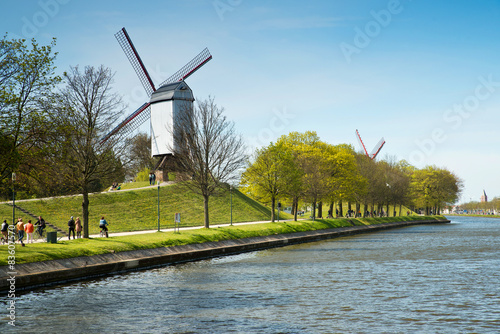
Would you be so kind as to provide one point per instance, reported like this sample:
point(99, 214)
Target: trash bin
point(52, 237)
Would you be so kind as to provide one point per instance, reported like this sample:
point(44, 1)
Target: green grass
point(136, 210)
point(86, 247)
point(134, 185)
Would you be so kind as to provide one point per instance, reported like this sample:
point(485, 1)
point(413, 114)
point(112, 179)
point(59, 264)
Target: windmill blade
point(132, 122)
point(361, 142)
point(201, 59)
point(377, 148)
point(135, 60)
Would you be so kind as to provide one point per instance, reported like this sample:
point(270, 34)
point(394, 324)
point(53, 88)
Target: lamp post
point(231, 199)
point(13, 199)
point(158, 206)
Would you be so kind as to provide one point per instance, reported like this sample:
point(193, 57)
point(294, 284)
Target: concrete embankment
point(39, 274)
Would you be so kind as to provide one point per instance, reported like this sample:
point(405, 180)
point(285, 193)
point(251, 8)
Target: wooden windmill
point(171, 98)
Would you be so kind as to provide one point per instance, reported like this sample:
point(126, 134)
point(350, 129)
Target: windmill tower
point(375, 150)
point(173, 97)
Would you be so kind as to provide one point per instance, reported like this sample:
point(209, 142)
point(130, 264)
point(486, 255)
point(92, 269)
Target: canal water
point(442, 278)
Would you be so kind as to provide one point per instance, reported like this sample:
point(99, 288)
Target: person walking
point(71, 226)
point(5, 232)
point(20, 230)
point(29, 229)
point(78, 228)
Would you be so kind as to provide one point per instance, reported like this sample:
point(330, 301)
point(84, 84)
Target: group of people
point(27, 229)
point(23, 229)
point(75, 226)
point(152, 178)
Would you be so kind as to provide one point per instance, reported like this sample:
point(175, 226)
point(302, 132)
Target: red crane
point(375, 151)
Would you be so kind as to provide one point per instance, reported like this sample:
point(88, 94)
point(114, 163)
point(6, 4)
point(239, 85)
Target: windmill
point(172, 97)
point(375, 150)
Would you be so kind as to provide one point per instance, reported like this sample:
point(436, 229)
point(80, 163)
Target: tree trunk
point(387, 209)
point(349, 208)
point(85, 214)
point(331, 210)
point(273, 203)
point(358, 210)
point(320, 209)
point(295, 208)
point(341, 213)
point(205, 209)
point(313, 209)
point(372, 208)
point(400, 208)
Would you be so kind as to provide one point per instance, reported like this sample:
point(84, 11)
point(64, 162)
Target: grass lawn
point(86, 247)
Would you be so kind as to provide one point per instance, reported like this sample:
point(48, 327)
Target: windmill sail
point(135, 60)
point(132, 122)
point(201, 59)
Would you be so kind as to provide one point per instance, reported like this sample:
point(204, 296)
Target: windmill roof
point(172, 91)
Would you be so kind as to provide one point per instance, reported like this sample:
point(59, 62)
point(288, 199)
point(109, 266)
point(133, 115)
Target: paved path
point(117, 234)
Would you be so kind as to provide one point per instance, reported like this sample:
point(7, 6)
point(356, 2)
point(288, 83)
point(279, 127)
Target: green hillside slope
point(138, 209)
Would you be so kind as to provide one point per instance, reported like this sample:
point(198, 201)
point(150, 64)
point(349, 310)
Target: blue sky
point(425, 75)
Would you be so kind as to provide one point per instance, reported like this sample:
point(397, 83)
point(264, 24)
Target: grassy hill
point(135, 210)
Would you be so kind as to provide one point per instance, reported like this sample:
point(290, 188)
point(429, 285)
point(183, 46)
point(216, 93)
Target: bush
point(143, 175)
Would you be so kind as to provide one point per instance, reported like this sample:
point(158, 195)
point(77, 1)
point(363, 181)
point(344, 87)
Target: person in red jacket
point(29, 229)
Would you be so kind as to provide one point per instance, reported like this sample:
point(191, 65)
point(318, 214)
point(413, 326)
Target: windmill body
point(166, 105)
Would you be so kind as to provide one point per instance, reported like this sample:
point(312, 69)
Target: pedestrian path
point(119, 234)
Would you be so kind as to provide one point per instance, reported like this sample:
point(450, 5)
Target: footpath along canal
point(432, 278)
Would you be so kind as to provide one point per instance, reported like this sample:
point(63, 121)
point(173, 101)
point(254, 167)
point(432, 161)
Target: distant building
point(484, 198)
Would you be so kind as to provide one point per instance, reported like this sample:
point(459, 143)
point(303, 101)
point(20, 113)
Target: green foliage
point(143, 175)
point(301, 166)
point(27, 80)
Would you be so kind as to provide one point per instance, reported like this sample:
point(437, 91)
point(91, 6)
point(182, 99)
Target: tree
point(87, 109)
point(27, 80)
point(270, 174)
point(207, 150)
point(434, 187)
point(139, 155)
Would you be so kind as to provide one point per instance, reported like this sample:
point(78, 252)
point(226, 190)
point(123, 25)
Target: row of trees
point(490, 206)
point(300, 168)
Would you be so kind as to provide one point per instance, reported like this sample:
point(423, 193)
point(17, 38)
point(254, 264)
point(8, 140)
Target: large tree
point(88, 107)
point(207, 150)
point(27, 80)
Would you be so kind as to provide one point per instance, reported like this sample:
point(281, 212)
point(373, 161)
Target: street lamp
point(158, 206)
point(13, 199)
point(231, 199)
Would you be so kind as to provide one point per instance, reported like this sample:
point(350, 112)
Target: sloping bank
point(38, 274)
